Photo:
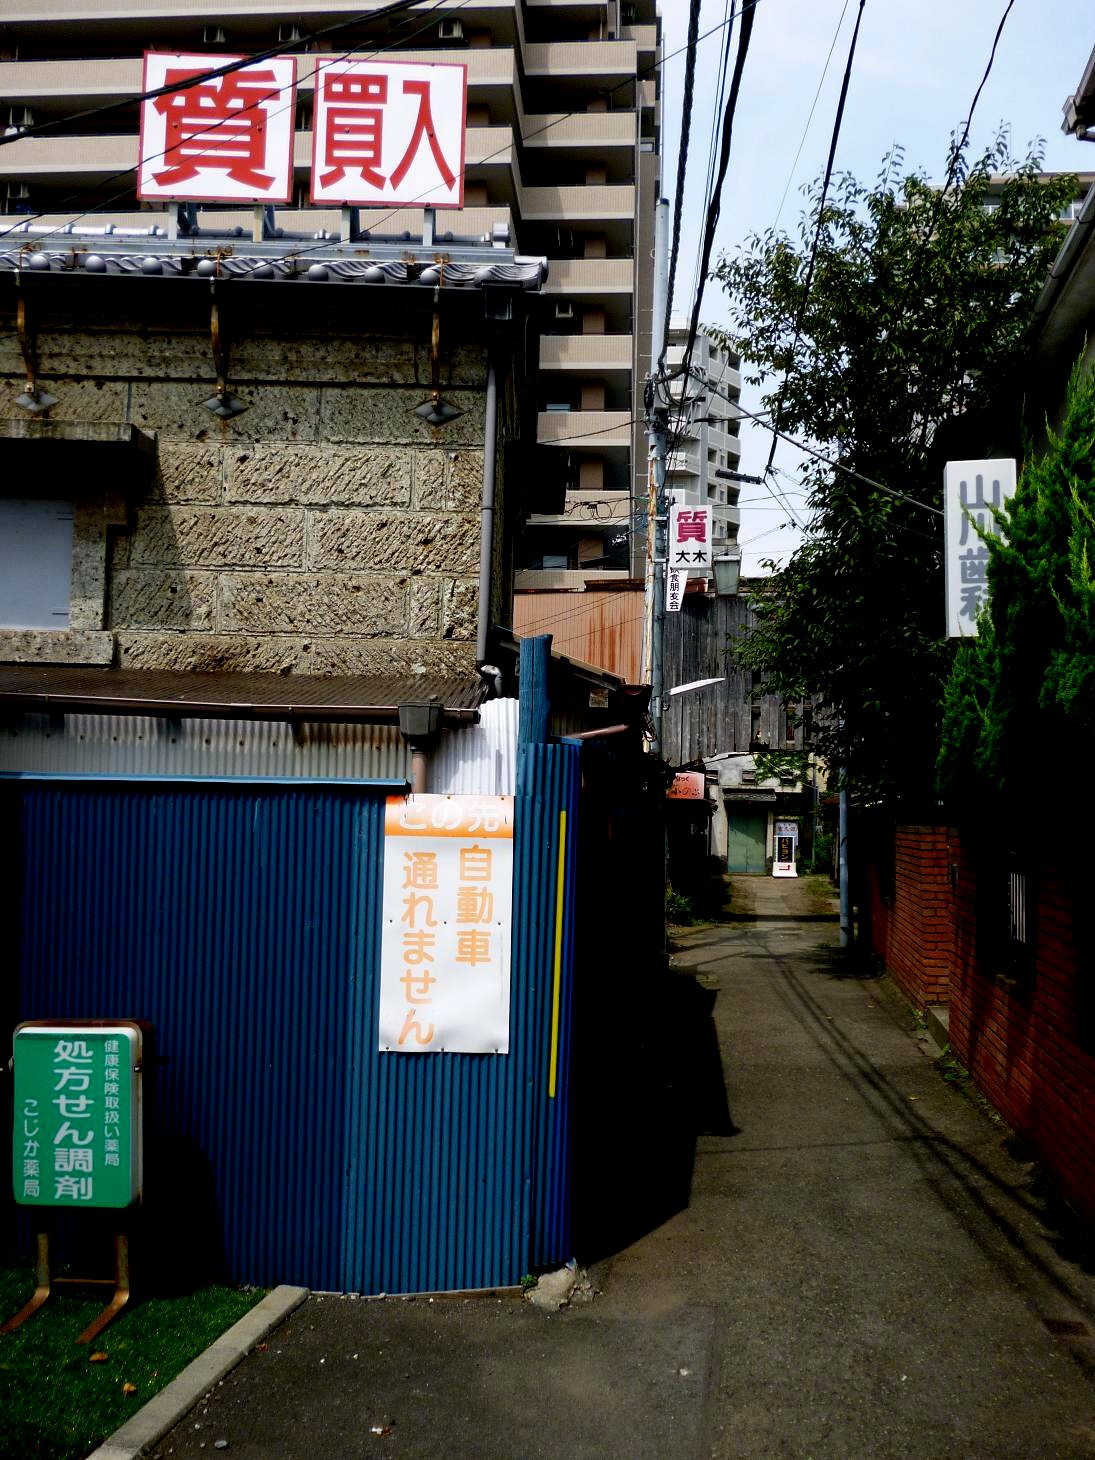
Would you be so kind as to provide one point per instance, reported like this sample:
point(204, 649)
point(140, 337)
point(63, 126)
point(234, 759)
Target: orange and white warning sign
point(445, 941)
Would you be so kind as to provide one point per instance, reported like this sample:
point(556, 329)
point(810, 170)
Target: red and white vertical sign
point(445, 937)
point(389, 133)
point(689, 538)
point(226, 139)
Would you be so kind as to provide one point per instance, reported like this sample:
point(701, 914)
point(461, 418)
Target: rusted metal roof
point(60, 689)
point(602, 627)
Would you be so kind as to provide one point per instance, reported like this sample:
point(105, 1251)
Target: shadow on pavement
point(647, 1099)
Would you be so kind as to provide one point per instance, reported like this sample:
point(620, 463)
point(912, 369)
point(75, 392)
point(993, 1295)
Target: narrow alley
point(864, 1267)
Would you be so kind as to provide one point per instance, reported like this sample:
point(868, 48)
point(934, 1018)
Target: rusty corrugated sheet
point(601, 626)
point(63, 688)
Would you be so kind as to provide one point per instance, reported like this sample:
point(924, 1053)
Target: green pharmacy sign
point(77, 1114)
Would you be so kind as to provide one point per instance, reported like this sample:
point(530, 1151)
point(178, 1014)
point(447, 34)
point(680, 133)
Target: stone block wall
point(327, 529)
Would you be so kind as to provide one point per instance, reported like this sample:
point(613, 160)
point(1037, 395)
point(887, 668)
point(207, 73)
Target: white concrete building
point(705, 435)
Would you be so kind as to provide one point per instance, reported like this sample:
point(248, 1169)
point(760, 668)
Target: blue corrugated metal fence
point(243, 921)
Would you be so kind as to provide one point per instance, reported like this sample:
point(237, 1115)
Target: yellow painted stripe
point(557, 974)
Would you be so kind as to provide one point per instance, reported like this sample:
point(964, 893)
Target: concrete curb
point(164, 1410)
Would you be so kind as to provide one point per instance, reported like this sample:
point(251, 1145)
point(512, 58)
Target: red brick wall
point(1022, 1039)
point(914, 933)
point(1027, 1041)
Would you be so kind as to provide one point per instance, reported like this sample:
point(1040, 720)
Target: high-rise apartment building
point(561, 161)
point(704, 443)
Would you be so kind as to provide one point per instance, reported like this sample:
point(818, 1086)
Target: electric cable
point(397, 7)
point(809, 119)
point(682, 166)
point(800, 313)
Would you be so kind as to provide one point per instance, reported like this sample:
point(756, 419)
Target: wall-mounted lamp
point(727, 571)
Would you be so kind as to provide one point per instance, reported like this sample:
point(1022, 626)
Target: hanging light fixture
point(727, 570)
point(436, 411)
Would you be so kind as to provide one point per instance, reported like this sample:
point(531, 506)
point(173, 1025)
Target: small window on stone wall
point(36, 539)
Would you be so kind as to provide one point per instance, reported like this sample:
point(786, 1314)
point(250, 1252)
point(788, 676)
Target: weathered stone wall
point(327, 529)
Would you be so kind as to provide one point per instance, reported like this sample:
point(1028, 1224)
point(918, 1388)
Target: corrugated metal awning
point(375, 699)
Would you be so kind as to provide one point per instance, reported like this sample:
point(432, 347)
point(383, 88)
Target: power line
point(809, 119)
point(243, 111)
point(800, 314)
point(641, 73)
point(397, 7)
point(713, 140)
point(682, 164)
point(836, 465)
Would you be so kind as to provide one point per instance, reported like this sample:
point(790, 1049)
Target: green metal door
point(745, 842)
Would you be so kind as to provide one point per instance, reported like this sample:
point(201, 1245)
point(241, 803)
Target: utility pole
point(657, 431)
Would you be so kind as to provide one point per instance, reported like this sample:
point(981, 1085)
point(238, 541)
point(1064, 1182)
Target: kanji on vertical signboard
point(689, 538)
point(224, 139)
point(389, 133)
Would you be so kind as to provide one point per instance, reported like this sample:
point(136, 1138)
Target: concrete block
point(218, 537)
point(357, 476)
point(397, 541)
point(460, 608)
point(424, 613)
point(275, 412)
point(373, 413)
point(464, 486)
point(274, 654)
point(327, 603)
point(79, 400)
point(55, 646)
point(429, 481)
point(153, 599)
point(188, 474)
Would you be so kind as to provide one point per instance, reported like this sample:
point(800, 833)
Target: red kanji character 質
point(692, 525)
point(220, 123)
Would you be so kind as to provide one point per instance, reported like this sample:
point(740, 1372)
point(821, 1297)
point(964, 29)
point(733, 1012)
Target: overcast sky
point(915, 73)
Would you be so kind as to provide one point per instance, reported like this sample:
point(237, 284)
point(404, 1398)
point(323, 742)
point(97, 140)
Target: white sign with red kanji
point(445, 936)
point(689, 538)
point(227, 139)
point(389, 133)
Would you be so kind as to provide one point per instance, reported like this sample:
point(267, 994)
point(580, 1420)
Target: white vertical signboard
point(973, 492)
point(389, 133)
point(690, 538)
point(445, 938)
point(227, 139)
point(674, 588)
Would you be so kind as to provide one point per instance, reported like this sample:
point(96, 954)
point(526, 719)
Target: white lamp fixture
point(727, 570)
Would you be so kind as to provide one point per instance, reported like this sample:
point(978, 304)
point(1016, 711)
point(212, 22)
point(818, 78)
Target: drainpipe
point(420, 725)
point(486, 540)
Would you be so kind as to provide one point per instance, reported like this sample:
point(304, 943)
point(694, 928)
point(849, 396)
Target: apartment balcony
point(588, 509)
point(586, 354)
point(600, 430)
point(590, 276)
point(198, 12)
point(570, 204)
point(33, 83)
point(601, 62)
point(574, 579)
point(645, 37)
point(580, 129)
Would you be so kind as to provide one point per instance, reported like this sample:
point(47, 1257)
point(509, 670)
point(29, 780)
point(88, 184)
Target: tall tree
point(913, 327)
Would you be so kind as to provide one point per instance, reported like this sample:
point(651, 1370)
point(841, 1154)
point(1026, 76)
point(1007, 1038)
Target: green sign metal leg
point(121, 1290)
point(41, 1292)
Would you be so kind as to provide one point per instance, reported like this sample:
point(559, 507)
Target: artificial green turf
point(55, 1403)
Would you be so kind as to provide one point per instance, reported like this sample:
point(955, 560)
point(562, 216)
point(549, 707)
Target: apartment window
point(36, 538)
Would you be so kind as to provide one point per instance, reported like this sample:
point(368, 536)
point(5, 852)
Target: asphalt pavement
point(831, 1252)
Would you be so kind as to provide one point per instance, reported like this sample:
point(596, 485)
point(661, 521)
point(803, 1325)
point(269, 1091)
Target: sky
point(914, 76)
